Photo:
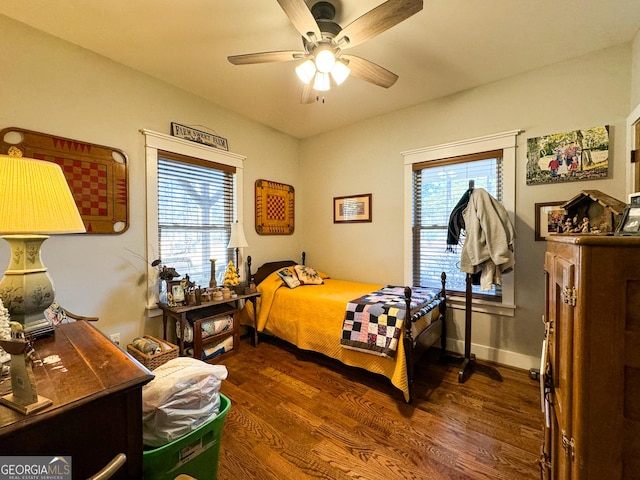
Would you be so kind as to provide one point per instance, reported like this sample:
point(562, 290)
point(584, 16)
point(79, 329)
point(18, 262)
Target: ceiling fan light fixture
point(322, 83)
point(340, 72)
point(325, 60)
point(324, 40)
point(306, 71)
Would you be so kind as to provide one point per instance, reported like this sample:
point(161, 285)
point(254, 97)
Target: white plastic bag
point(184, 394)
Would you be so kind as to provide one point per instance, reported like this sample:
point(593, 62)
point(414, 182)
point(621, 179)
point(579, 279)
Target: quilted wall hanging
point(97, 175)
point(275, 212)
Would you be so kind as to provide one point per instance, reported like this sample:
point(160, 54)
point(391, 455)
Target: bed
point(312, 317)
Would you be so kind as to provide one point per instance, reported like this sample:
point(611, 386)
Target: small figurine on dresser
point(23, 397)
point(567, 226)
point(585, 227)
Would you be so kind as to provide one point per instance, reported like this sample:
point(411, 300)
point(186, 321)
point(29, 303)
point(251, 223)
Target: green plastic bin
point(194, 454)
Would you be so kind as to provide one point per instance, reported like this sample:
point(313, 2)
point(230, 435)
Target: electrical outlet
point(115, 338)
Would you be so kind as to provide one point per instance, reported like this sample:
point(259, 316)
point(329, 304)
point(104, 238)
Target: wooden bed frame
point(414, 347)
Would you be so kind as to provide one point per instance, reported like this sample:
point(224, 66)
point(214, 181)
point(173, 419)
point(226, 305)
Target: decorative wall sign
point(275, 212)
point(352, 209)
point(568, 156)
point(97, 175)
point(198, 136)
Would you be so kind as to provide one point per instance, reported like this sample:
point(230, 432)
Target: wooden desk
point(96, 413)
point(195, 314)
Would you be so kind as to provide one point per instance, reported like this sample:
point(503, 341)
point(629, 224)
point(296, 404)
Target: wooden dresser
point(593, 360)
point(96, 413)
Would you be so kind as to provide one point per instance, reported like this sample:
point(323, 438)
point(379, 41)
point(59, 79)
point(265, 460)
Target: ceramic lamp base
point(26, 288)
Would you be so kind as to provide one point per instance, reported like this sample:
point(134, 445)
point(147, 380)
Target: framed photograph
point(178, 293)
point(630, 222)
point(549, 219)
point(568, 156)
point(175, 292)
point(352, 209)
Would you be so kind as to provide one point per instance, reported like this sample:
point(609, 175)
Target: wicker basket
point(168, 351)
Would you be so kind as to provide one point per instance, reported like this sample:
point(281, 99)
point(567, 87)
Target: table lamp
point(237, 240)
point(35, 201)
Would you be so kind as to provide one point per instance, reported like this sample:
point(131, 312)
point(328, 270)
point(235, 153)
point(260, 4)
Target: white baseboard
point(503, 357)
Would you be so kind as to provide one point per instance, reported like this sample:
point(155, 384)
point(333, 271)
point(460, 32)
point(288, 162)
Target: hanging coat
point(489, 239)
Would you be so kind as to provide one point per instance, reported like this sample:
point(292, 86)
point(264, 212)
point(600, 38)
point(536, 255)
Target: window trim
point(506, 141)
point(495, 156)
point(632, 167)
point(154, 142)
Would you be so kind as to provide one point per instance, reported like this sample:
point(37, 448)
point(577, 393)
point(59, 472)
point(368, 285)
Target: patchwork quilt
point(373, 322)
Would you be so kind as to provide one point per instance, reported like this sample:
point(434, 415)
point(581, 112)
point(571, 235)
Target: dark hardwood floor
point(297, 415)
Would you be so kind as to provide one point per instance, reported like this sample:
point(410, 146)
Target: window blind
point(437, 187)
point(195, 212)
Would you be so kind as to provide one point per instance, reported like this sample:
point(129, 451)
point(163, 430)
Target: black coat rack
point(469, 360)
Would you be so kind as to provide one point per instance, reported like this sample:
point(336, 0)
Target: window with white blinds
point(437, 188)
point(195, 212)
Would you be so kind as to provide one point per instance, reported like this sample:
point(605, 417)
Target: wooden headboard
point(268, 268)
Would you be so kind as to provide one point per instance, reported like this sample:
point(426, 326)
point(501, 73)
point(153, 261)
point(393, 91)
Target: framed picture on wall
point(549, 219)
point(352, 209)
point(568, 156)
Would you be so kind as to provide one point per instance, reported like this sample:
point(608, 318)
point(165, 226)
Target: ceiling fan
point(324, 42)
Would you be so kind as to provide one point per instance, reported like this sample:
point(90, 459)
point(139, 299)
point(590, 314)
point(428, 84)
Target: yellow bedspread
point(321, 309)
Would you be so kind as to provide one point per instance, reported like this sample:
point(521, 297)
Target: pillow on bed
point(288, 277)
point(307, 275)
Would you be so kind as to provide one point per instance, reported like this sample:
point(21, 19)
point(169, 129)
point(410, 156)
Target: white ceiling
point(450, 46)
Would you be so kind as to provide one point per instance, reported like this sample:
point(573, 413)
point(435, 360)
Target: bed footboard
point(415, 347)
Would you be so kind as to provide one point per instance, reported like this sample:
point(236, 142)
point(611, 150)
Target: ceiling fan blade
point(370, 72)
point(266, 57)
point(308, 94)
point(301, 18)
point(376, 21)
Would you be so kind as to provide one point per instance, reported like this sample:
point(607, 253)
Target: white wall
point(635, 72)
point(365, 158)
point(54, 87)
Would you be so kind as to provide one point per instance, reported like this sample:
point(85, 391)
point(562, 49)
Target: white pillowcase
point(288, 277)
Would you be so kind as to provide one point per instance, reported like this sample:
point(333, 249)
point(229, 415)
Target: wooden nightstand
point(198, 315)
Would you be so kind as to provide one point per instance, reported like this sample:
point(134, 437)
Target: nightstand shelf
point(200, 319)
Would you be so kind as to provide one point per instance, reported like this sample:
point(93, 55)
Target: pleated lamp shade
point(35, 198)
point(237, 238)
point(35, 201)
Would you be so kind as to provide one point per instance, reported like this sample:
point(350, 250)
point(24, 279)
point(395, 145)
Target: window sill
point(458, 302)
point(153, 311)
